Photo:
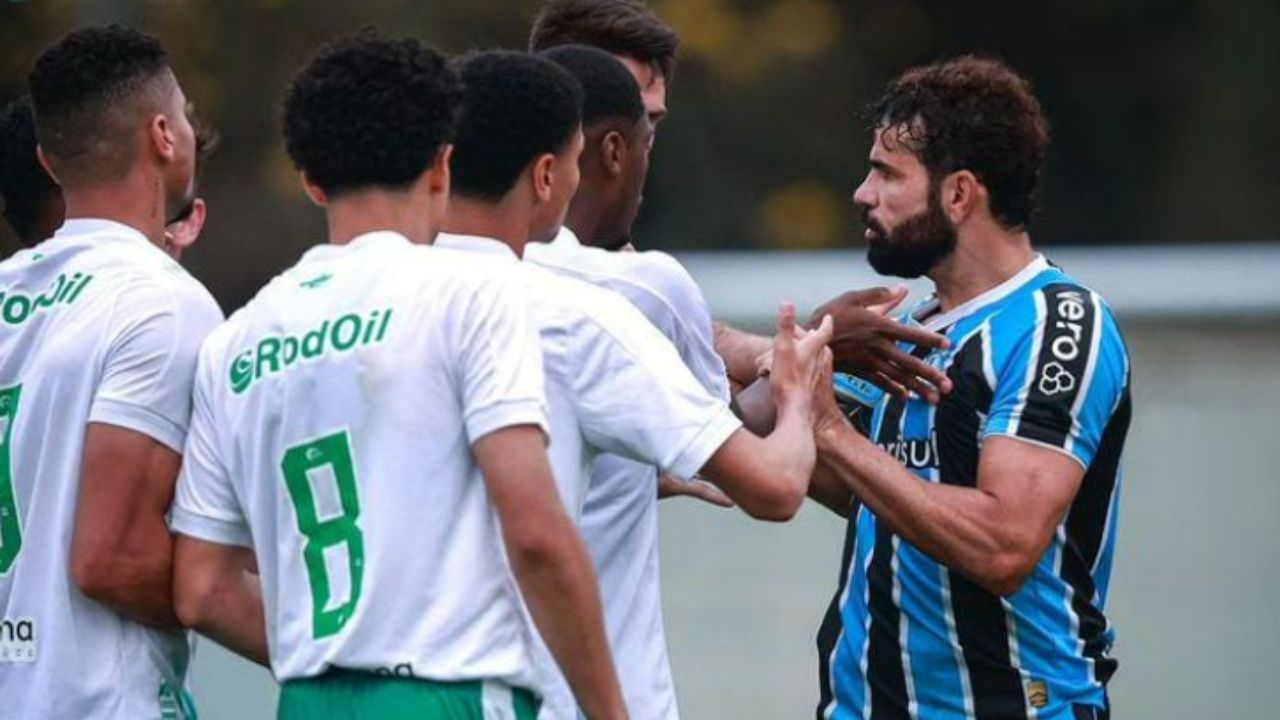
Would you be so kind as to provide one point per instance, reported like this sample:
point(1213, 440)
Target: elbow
point(1006, 573)
point(192, 596)
point(536, 549)
point(97, 577)
point(778, 503)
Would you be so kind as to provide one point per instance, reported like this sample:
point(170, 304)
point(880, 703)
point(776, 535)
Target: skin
point(996, 532)
point(121, 549)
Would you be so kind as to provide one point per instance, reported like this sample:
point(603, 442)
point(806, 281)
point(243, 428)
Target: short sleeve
point(205, 504)
point(500, 359)
point(1057, 376)
point(635, 396)
point(151, 358)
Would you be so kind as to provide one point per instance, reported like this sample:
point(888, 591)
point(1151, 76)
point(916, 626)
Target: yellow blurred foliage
point(803, 214)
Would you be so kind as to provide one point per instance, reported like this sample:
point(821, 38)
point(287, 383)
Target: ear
point(44, 163)
point(160, 134)
point(182, 235)
point(314, 193)
point(613, 153)
point(439, 179)
point(543, 169)
point(961, 194)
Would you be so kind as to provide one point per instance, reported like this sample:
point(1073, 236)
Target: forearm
point(135, 578)
point(828, 489)
point(560, 590)
point(960, 527)
point(233, 616)
point(739, 351)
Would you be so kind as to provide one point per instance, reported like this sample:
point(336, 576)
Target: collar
point(91, 226)
point(940, 321)
point(475, 244)
point(566, 238)
point(377, 238)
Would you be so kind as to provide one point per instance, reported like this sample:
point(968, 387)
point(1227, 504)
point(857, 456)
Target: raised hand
point(865, 339)
point(798, 359)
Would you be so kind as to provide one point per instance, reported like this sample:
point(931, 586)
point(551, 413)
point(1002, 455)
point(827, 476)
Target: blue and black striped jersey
point(1038, 358)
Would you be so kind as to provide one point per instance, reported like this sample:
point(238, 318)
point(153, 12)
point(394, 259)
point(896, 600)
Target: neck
point(586, 215)
point(504, 220)
point(137, 201)
point(980, 262)
point(354, 214)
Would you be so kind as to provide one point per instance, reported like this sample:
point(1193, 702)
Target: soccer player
point(614, 384)
point(33, 204)
point(863, 343)
point(370, 429)
point(32, 200)
point(982, 530)
point(98, 342)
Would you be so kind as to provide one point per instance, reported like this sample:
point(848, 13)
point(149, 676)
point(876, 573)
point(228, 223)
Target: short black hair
point(25, 185)
point(622, 27)
point(369, 111)
point(609, 91)
point(515, 108)
point(75, 86)
point(975, 114)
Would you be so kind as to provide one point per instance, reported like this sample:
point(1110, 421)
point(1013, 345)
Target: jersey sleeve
point(500, 360)
point(205, 505)
point(151, 358)
point(637, 399)
point(1057, 377)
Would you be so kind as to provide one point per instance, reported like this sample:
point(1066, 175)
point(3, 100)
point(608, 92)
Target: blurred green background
point(1164, 113)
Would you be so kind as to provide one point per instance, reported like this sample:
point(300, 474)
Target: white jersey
point(614, 385)
point(96, 325)
point(332, 432)
point(620, 518)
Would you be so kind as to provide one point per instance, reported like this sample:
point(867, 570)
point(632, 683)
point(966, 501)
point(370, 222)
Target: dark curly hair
point(369, 111)
point(77, 84)
point(27, 189)
point(622, 27)
point(973, 114)
point(609, 91)
point(515, 108)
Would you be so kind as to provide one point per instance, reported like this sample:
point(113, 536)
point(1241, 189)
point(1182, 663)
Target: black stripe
point(981, 627)
point(833, 621)
point(1066, 338)
point(885, 673)
point(1086, 530)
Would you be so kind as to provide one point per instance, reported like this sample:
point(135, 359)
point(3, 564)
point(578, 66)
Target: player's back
point(341, 408)
point(96, 325)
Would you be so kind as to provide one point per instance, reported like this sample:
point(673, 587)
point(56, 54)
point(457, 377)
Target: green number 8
point(10, 529)
point(300, 461)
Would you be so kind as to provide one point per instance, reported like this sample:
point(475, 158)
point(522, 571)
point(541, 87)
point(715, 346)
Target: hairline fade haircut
point(516, 107)
point(369, 111)
point(609, 91)
point(89, 91)
point(622, 27)
point(975, 114)
point(24, 184)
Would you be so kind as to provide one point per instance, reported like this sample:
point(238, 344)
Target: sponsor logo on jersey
point(17, 308)
point(1068, 330)
point(275, 353)
point(917, 454)
point(17, 640)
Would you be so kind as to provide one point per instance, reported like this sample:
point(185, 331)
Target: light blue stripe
point(848, 686)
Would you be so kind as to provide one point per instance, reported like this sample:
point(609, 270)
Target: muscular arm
point(551, 565)
point(739, 351)
point(122, 552)
point(995, 533)
point(217, 593)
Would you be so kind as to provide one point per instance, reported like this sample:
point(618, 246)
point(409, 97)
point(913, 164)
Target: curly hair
point(77, 84)
point(516, 107)
point(27, 189)
point(973, 114)
point(609, 91)
point(622, 27)
point(368, 111)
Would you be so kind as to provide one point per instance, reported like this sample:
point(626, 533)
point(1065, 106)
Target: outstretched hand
point(865, 343)
point(798, 358)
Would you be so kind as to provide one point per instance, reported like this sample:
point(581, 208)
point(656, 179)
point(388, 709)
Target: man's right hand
point(865, 343)
point(797, 361)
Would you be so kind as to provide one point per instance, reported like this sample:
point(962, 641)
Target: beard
point(178, 206)
point(913, 248)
